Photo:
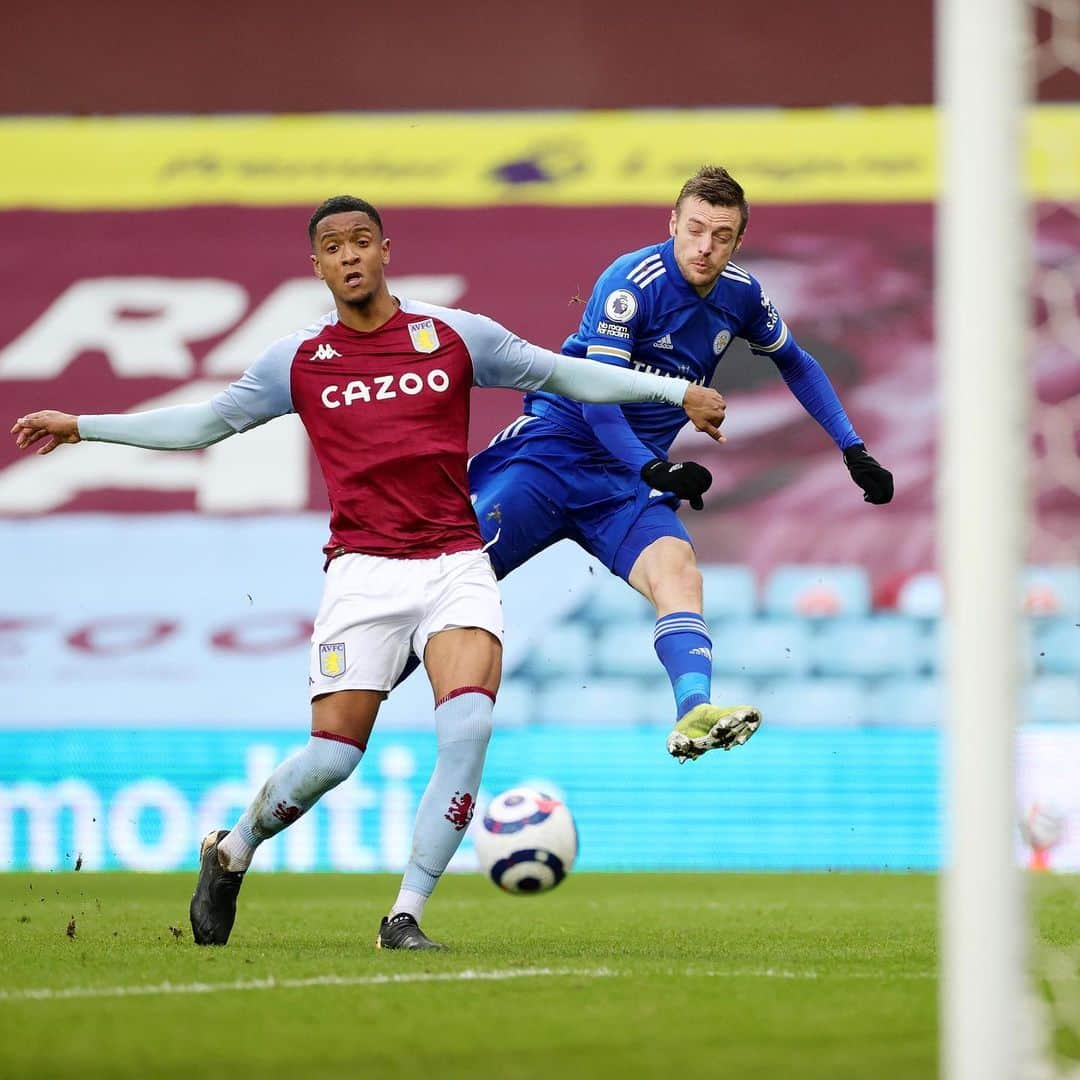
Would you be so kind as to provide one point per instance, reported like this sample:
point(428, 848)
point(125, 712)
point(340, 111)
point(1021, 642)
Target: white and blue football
point(527, 841)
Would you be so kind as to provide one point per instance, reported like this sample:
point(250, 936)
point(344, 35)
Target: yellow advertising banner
point(634, 157)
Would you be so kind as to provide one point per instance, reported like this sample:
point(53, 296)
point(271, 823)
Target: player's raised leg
point(341, 724)
point(666, 573)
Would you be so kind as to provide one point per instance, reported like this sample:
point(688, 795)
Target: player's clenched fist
point(706, 410)
point(49, 425)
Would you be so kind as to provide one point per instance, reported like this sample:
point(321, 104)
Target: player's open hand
point(49, 428)
point(706, 409)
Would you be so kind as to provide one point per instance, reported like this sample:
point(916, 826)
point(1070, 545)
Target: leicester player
point(382, 386)
point(600, 474)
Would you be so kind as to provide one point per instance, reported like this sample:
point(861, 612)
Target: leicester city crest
point(332, 659)
point(720, 342)
point(424, 336)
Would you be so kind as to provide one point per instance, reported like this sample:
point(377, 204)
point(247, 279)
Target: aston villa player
point(382, 386)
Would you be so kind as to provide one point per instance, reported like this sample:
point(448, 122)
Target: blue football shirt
point(644, 314)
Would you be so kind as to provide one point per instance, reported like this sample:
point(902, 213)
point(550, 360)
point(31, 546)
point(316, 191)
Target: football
point(526, 841)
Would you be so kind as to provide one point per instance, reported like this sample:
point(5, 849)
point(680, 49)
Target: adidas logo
point(702, 652)
point(664, 343)
point(326, 352)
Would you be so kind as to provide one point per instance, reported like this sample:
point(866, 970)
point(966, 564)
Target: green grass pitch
point(708, 975)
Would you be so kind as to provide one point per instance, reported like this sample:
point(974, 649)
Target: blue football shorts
point(538, 483)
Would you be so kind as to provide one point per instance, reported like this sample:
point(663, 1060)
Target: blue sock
point(682, 642)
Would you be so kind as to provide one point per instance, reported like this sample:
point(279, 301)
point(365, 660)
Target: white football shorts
point(375, 609)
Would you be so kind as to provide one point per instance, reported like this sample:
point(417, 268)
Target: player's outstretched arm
point(180, 427)
point(501, 358)
point(586, 380)
point(808, 382)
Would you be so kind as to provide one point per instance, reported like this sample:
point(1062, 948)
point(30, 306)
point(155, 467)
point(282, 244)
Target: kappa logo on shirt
point(326, 352)
point(424, 336)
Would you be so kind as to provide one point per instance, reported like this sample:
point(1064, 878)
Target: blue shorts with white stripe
point(538, 483)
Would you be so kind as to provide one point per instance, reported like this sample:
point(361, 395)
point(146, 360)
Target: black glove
point(687, 479)
point(875, 480)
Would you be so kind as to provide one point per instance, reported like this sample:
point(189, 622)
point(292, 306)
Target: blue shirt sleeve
point(807, 380)
point(609, 330)
point(613, 431)
point(613, 319)
point(763, 329)
point(767, 335)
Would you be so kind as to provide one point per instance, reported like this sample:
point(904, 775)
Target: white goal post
point(983, 256)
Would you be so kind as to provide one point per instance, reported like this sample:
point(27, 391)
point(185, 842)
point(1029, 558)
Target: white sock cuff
point(464, 715)
point(331, 758)
point(411, 901)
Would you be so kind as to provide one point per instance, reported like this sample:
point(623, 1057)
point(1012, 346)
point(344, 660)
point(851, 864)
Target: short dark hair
point(340, 204)
point(718, 187)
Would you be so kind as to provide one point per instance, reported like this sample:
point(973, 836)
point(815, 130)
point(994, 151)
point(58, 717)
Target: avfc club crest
point(332, 659)
point(720, 342)
point(425, 338)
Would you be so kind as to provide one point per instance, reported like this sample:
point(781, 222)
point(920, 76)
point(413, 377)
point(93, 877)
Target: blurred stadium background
point(155, 609)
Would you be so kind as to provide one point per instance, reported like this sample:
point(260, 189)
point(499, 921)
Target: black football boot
point(402, 932)
point(213, 904)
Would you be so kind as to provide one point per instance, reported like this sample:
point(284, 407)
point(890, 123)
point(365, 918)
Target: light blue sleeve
point(264, 390)
point(499, 358)
point(261, 393)
point(177, 427)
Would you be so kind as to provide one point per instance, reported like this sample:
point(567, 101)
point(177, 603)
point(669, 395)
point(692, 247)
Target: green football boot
point(710, 727)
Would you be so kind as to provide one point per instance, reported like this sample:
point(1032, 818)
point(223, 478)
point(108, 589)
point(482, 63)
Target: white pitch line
point(270, 983)
point(469, 975)
point(779, 973)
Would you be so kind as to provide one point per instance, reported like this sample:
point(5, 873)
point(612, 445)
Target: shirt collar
point(667, 254)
